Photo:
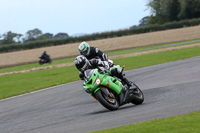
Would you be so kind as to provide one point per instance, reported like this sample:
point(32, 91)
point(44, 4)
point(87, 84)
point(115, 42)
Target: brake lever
point(123, 68)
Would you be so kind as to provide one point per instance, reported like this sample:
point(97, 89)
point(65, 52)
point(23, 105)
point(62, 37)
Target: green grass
point(119, 52)
point(15, 84)
point(152, 47)
point(35, 65)
point(187, 123)
point(157, 58)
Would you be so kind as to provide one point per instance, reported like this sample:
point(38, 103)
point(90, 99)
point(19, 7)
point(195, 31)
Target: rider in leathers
point(83, 64)
point(93, 53)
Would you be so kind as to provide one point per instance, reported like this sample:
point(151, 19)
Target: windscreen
point(88, 74)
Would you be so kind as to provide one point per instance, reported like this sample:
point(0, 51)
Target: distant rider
point(82, 64)
point(93, 52)
point(45, 56)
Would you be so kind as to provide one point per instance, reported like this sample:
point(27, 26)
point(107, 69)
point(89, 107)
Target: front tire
point(40, 62)
point(107, 102)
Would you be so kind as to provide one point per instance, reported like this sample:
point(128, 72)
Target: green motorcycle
point(110, 91)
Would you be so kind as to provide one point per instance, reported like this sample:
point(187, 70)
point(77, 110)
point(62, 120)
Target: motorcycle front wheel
point(41, 62)
point(108, 102)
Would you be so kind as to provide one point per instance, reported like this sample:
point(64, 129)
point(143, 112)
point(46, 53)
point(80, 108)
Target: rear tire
point(109, 103)
point(138, 96)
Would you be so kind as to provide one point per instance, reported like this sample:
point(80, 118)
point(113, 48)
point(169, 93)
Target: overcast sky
point(70, 16)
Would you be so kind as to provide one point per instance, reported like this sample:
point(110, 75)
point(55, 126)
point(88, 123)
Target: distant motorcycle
point(109, 91)
point(44, 58)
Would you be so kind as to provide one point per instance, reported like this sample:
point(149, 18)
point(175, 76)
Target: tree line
point(163, 11)
point(165, 14)
point(31, 35)
point(96, 36)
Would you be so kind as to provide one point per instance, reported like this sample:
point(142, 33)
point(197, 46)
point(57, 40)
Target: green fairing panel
point(108, 80)
point(105, 80)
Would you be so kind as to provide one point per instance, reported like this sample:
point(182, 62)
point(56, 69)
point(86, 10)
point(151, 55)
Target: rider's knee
point(116, 72)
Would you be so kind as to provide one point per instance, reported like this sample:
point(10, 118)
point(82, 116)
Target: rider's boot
point(123, 95)
point(126, 81)
point(119, 73)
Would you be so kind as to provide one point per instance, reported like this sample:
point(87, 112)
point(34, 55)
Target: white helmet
point(84, 48)
point(81, 63)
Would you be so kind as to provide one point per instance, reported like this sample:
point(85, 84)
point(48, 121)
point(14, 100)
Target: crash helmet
point(84, 48)
point(81, 63)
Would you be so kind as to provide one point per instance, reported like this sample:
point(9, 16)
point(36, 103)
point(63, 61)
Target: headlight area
point(97, 81)
point(88, 90)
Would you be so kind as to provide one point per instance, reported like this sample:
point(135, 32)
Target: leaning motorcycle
point(110, 91)
point(44, 60)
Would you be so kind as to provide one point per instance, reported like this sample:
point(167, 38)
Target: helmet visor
point(84, 52)
point(84, 67)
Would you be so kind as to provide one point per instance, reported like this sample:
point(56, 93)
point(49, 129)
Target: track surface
point(170, 89)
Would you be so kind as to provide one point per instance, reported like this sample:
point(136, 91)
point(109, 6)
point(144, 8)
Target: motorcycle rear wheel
point(138, 96)
point(107, 102)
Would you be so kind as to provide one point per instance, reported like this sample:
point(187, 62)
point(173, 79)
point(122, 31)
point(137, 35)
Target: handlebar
point(123, 68)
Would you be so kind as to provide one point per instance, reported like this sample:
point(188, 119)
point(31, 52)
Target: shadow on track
point(125, 107)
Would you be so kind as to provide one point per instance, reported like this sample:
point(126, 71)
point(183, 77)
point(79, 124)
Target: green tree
point(189, 9)
point(163, 11)
point(18, 36)
point(33, 34)
point(45, 36)
point(61, 35)
point(8, 37)
point(173, 10)
point(143, 21)
point(1, 41)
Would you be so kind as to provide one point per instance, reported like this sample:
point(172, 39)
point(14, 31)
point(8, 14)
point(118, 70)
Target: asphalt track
point(169, 89)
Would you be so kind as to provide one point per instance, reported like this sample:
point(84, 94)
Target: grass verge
point(15, 84)
point(152, 47)
point(112, 53)
point(35, 65)
point(178, 124)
